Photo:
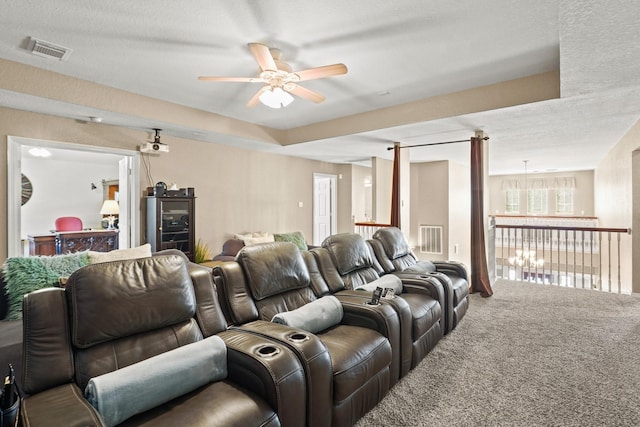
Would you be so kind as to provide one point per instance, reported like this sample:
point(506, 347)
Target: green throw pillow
point(28, 274)
point(296, 238)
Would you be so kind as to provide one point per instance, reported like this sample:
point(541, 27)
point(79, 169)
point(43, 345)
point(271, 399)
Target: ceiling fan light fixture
point(275, 97)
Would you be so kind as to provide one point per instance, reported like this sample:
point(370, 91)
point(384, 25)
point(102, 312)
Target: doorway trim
point(333, 210)
point(14, 170)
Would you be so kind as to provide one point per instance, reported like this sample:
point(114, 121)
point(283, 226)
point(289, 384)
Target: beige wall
point(459, 213)
point(583, 195)
point(441, 196)
point(613, 189)
point(430, 202)
point(361, 202)
point(382, 171)
point(237, 190)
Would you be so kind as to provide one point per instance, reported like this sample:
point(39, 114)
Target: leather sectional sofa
point(117, 316)
point(395, 257)
point(347, 263)
point(348, 358)
point(294, 343)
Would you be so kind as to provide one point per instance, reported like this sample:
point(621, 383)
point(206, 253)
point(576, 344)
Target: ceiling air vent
point(49, 50)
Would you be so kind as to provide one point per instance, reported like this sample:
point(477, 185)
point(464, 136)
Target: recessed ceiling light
point(39, 152)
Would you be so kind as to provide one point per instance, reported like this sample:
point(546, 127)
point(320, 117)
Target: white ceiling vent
point(49, 50)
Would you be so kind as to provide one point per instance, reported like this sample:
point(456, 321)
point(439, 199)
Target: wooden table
point(64, 242)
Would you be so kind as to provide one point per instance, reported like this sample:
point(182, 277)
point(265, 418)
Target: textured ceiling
point(397, 52)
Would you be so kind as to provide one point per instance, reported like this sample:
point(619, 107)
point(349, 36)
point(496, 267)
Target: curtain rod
point(486, 138)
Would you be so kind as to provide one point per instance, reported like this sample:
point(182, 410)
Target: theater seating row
point(278, 337)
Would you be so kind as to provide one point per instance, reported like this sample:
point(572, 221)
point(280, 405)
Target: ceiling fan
point(278, 78)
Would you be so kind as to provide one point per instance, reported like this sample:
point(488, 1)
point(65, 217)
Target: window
point(512, 202)
point(536, 201)
point(564, 201)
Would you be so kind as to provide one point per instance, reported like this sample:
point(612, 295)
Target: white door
point(324, 207)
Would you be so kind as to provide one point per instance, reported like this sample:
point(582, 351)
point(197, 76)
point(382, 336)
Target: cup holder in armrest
point(298, 337)
point(268, 351)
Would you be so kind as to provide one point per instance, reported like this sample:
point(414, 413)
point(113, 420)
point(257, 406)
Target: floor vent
point(430, 239)
point(49, 50)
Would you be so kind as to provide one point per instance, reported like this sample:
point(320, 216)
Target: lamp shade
point(275, 97)
point(110, 207)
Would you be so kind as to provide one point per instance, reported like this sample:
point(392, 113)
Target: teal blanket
point(28, 274)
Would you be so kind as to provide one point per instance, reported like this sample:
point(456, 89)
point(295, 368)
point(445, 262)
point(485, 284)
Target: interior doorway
point(324, 206)
point(125, 164)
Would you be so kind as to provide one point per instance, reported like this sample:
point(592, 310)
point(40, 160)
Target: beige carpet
point(531, 355)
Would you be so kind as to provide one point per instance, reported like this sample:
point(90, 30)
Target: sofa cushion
point(143, 251)
point(349, 252)
point(232, 246)
point(119, 299)
point(394, 243)
point(136, 388)
point(28, 274)
point(313, 317)
point(273, 268)
point(297, 238)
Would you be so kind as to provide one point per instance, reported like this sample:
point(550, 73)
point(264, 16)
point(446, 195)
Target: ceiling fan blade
point(320, 72)
point(263, 56)
point(305, 93)
point(256, 98)
point(230, 79)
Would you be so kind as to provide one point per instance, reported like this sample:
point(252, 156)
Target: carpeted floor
point(531, 355)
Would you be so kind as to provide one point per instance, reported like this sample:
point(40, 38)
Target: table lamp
point(111, 208)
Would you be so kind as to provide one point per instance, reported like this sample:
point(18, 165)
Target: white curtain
point(539, 183)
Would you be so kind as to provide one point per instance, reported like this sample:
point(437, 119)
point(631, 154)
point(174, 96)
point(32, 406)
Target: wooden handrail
point(371, 224)
point(547, 227)
point(543, 216)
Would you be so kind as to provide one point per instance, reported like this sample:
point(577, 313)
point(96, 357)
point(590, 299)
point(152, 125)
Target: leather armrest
point(452, 267)
point(431, 284)
point(381, 317)
point(65, 405)
point(270, 370)
point(315, 359)
point(424, 283)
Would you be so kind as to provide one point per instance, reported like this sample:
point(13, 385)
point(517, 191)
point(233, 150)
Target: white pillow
point(143, 251)
point(248, 241)
point(255, 237)
point(125, 392)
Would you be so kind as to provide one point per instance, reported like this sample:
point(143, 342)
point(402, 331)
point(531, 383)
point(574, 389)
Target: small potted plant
point(202, 253)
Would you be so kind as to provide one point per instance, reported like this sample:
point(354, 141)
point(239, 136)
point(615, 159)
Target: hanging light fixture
point(275, 97)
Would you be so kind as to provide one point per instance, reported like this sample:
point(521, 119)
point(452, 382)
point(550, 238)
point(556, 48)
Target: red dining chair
point(68, 223)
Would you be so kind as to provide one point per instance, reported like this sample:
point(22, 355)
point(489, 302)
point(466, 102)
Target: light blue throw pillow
point(313, 317)
point(121, 394)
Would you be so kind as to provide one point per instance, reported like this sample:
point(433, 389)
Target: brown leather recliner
point(346, 262)
point(347, 366)
point(117, 315)
point(395, 256)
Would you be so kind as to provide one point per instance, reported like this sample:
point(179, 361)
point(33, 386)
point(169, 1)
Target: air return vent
point(49, 50)
point(430, 239)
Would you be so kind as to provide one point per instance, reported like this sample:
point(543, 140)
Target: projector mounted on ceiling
point(156, 146)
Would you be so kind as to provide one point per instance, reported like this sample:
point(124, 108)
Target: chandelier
point(526, 259)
